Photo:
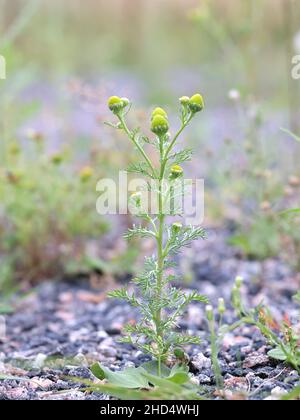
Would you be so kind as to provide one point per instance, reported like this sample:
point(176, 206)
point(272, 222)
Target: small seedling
point(282, 336)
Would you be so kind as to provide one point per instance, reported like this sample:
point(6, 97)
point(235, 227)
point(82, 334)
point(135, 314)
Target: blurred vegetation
point(47, 211)
point(231, 43)
point(65, 57)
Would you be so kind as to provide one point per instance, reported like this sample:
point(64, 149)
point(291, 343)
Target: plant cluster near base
point(159, 302)
point(283, 336)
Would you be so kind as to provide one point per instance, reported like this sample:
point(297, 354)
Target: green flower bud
point(184, 100)
point(159, 111)
point(181, 356)
point(196, 103)
point(179, 353)
point(115, 104)
point(221, 306)
point(176, 172)
point(236, 299)
point(136, 198)
point(159, 125)
point(239, 282)
point(14, 149)
point(57, 159)
point(176, 228)
point(86, 173)
point(209, 313)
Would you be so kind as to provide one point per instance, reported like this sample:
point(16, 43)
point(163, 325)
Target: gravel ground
point(60, 328)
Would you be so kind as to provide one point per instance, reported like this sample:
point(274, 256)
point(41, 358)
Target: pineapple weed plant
point(160, 303)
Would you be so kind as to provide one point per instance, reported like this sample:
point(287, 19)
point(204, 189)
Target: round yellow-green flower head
point(209, 312)
point(57, 158)
point(184, 100)
point(116, 104)
point(176, 171)
point(86, 173)
point(14, 149)
point(176, 228)
point(239, 282)
point(159, 125)
point(221, 306)
point(159, 111)
point(196, 103)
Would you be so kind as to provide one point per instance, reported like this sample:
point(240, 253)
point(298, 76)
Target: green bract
point(184, 100)
point(196, 103)
point(125, 101)
point(176, 227)
point(159, 125)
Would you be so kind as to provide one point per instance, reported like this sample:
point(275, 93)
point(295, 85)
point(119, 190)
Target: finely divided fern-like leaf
point(139, 231)
point(186, 237)
point(139, 168)
point(181, 157)
point(123, 295)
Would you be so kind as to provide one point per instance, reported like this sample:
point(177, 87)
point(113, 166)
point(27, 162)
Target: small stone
point(255, 360)
point(246, 349)
point(199, 361)
point(234, 382)
point(204, 379)
point(17, 394)
point(81, 360)
point(66, 297)
point(266, 372)
point(36, 383)
point(102, 334)
point(68, 395)
point(39, 361)
point(129, 364)
point(195, 381)
point(79, 335)
point(276, 394)
point(195, 315)
point(108, 348)
point(231, 340)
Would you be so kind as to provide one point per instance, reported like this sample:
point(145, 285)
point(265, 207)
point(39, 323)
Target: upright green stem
point(171, 145)
point(215, 354)
point(160, 242)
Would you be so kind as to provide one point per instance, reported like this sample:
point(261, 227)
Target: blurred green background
point(218, 44)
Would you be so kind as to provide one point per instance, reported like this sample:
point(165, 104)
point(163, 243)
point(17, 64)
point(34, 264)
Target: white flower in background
point(297, 42)
point(234, 95)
